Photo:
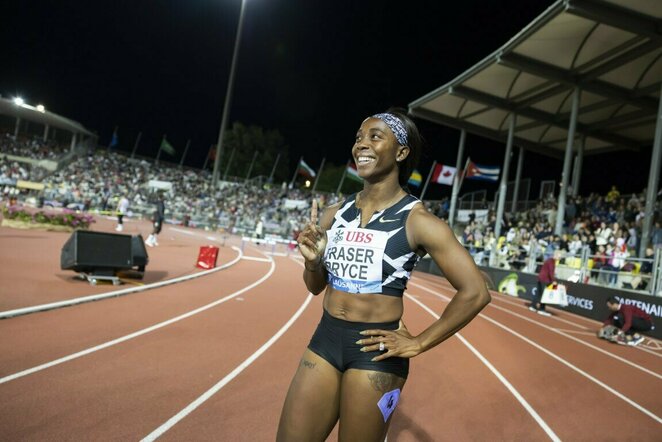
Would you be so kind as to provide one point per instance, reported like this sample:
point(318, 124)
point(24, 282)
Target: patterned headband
point(396, 126)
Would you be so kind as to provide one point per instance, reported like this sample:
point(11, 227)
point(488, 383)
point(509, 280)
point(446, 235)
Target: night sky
point(310, 69)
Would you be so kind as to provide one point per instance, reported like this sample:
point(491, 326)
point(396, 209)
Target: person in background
point(122, 209)
point(545, 277)
point(630, 320)
point(259, 230)
point(613, 194)
point(158, 218)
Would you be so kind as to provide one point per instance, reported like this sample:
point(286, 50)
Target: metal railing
point(581, 267)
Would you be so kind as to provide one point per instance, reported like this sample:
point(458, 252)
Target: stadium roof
point(610, 49)
point(32, 114)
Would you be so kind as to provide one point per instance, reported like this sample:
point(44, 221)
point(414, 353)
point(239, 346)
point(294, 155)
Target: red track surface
point(573, 385)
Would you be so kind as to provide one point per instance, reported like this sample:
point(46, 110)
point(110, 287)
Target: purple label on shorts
point(388, 403)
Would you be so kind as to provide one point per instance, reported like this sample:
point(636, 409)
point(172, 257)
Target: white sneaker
point(544, 313)
point(118, 228)
point(533, 309)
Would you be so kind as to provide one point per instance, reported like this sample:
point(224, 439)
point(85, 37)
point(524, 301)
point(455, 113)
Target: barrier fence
point(640, 275)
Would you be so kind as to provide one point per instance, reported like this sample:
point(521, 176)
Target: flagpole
point(296, 169)
point(135, 146)
point(227, 169)
point(158, 154)
point(204, 166)
point(113, 138)
point(273, 169)
point(319, 174)
point(425, 187)
point(250, 168)
point(342, 180)
point(457, 182)
point(181, 162)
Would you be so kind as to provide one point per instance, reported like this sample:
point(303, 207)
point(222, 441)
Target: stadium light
point(307, 183)
point(41, 108)
point(19, 101)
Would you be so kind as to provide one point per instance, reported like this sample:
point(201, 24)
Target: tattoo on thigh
point(308, 364)
point(382, 381)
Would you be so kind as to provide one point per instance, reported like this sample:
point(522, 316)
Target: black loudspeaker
point(97, 253)
point(139, 256)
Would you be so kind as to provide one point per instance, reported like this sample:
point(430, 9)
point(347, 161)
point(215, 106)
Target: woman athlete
point(363, 253)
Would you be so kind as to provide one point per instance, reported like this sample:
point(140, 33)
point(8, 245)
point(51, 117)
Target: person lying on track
point(362, 254)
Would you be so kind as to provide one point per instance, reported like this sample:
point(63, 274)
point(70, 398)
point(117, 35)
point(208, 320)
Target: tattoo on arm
point(308, 364)
point(382, 381)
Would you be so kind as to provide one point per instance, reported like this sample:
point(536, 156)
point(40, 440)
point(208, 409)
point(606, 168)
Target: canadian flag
point(444, 174)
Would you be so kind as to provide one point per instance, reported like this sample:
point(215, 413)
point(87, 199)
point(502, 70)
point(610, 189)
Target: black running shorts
point(335, 341)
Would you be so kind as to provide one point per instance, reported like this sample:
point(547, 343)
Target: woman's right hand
point(312, 239)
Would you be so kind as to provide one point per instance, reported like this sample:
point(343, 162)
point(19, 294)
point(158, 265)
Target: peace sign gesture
point(312, 239)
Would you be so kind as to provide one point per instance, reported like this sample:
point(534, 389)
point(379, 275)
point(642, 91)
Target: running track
point(210, 358)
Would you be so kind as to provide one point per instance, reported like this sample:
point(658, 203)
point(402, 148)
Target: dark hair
point(414, 142)
point(613, 300)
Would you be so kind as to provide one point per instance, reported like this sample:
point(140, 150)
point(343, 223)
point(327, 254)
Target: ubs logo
point(354, 236)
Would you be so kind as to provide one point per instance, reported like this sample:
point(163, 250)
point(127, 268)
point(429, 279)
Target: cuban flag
point(482, 172)
point(443, 174)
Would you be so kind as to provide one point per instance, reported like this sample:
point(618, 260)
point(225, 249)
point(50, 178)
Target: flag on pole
point(167, 147)
point(114, 140)
point(305, 169)
point(415, 179)
point(352, 173)
point(482, 172)
point(444, 174)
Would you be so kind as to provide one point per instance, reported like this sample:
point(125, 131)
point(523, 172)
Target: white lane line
point(228, 378)
point(499, 376)
point(253, 258)
point(503, 298)
point(577, 332)
point(558, 358)
point(574, 338)
point(580, 341)
point(137, 333)
point(186, 232)
point(116, 293)
point(520, 306)
point(594, 322)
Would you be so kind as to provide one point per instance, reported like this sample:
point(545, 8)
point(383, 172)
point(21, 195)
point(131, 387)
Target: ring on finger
point(382, 347)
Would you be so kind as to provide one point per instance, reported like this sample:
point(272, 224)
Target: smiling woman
point(362, 254)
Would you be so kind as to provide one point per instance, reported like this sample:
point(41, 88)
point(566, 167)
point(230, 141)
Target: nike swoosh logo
point(384, 220)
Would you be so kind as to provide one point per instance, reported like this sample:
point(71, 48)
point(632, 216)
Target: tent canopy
point(610, 49)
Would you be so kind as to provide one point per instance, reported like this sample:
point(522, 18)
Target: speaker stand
point(94, 278)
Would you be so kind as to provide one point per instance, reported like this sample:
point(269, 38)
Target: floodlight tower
point(228, 98)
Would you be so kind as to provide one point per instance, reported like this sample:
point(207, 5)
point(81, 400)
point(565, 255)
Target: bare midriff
point(362, 307)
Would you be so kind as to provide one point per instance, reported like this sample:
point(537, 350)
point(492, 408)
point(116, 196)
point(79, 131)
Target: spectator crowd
point(608, 227)
point(99, 180)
